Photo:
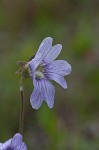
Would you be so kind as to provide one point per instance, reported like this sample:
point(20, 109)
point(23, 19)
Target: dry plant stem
point(21, 122)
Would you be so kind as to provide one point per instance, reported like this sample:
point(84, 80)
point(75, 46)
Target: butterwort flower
point(43, 68)
point(14, 143)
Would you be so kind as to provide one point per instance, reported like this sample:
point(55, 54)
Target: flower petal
point(60, 67)
point(37, 97)
point(14, 143)
point(53, 53)
point(6, 144)
point(43, 90)
point(17, 141)
point(49, 92)
point(58, 78)
point(43, 50)
point(44, 47)
point(1, 146)
point(23, 146)
point(33, 64)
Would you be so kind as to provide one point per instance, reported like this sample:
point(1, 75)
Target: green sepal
point(21, 63)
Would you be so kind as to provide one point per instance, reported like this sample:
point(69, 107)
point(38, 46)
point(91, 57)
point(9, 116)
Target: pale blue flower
point(14, 143)
point(43, 68)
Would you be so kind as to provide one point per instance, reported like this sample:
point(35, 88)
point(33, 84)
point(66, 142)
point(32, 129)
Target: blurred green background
point(73, 123)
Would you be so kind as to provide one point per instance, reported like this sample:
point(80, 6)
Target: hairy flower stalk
point(43, 68)
point(24, 74)
point(21, 122)
point(14, 143)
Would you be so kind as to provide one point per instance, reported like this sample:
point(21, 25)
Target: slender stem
point(21, 122)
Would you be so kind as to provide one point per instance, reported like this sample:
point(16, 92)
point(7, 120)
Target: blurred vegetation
point(73, 123)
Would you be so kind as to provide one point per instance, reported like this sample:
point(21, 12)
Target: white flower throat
point(39, 73)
